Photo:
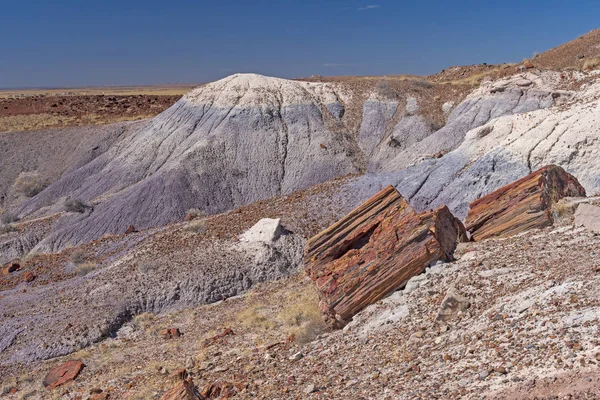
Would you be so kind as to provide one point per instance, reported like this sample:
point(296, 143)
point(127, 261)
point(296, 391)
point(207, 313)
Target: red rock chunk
point(63, 373)
point(10, 268)
point(375, 250)
point(522, 205)
point(185, 390)
point(170, 333)
point(29, 277)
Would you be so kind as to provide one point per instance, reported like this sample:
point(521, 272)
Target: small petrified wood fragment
point(375, 250)
point(522, 205)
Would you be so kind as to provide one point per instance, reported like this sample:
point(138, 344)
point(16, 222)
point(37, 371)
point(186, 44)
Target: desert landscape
point(323, 237)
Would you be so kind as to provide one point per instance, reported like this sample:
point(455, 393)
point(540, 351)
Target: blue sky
point(110, 42)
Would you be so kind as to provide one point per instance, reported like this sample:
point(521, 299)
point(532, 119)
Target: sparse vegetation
point(78, 257)
point(256, 317)
point(85, 268)
point(196, 226)
point(148, 267)
point(563, 209)
point(145, 322)
point(302, 317)
point(193, 213)
point(7, 228)
point(385, 89)
point(75, 205)
point(29, 184)
point(8, 218)
point(299, 317)
point(593, 63)
point(421, 83)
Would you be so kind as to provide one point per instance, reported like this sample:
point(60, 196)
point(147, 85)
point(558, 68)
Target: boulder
point(62, 374)
point(170, 333)
point(375, 250)
point(522, 205)
point(588, 216)
point(10, 267)
point(185, 390)
point(266, 230)
point(29, 277)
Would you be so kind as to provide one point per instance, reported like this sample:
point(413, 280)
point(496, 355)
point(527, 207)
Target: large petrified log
point(374, 250)
point(522, 205)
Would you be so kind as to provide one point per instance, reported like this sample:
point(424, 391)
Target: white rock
point(266, 230)
point(588, 216)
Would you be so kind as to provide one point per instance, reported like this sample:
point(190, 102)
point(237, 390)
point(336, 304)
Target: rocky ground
point(47, 111)
point(526, 327)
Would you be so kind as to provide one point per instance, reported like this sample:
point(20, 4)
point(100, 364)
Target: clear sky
point(47, 43)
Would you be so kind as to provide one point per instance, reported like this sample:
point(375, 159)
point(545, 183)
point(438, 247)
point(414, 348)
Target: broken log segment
point(522, 205)
point(375, 250)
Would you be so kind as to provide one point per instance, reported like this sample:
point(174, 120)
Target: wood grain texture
point(375, 250)
point(522, 205)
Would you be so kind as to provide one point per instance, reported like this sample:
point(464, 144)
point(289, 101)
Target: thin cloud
point(369, 7)
point(333, 65)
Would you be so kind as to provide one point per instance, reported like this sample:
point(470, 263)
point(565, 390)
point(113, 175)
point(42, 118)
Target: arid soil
point(41, 111)
point(530, 328)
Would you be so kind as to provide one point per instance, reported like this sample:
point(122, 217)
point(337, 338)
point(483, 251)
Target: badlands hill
point(134, 227)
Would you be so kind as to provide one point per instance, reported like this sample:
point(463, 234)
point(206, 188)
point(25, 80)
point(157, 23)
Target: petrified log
point(522, 205)
point(185, 390)
point(375, 250)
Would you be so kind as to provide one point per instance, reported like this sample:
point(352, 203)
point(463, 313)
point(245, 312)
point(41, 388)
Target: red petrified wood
point(62, 374)
point(185, 390)
point(375, 250)
point(522, 205)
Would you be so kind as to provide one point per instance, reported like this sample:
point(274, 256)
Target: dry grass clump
point(193, 213)
point(196, 226)
point(8, 218)
point(148, 267)
point(7, 228)
point(593, 63)
point(29, 184)
point(298, 316)
point(78, 257)
point(75, 205)
point(302, 317)
point(256, 317)
point(563, 209)
point(145, 321)
point(85, 268)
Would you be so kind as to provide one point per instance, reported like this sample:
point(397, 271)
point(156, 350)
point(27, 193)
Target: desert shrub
point(7, 228)
point(302, 316)
point(194, 213)
point(592, 64)
point(254, 317)
point(29, 184)
point(196, 226)
point(78, 257)
point(385, 89)
point(75, 205)
point(148, 267)
point(145, 321)
point(421, 83)
point(8, 218)
point(563, 209)
point(85, 268)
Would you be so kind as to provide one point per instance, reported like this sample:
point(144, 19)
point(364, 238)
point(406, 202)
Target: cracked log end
point(522, 205)
point(375, 250)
